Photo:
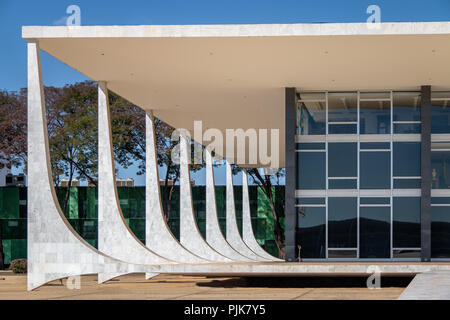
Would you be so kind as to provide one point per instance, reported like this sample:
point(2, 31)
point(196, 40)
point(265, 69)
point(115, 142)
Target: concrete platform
point(428, 286)
point(305, 268)
point(175, 287)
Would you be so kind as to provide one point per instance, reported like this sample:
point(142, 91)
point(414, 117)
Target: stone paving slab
point(428, 286)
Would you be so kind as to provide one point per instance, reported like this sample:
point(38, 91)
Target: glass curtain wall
point(440, 175)
point(358, 178)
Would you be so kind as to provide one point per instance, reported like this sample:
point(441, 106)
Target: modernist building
point(364, 124)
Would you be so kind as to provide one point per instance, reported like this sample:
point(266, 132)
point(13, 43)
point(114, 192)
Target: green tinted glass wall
point(81, 212)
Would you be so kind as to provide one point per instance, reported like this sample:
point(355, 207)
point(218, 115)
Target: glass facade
point(365, 167)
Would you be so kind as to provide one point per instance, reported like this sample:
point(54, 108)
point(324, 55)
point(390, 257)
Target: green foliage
point(18, 266)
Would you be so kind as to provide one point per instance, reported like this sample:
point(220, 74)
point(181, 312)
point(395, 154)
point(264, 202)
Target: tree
point(266, 182)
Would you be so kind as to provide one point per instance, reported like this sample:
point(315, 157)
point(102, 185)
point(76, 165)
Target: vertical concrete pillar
point(55, 250)
point(190, 236)
point(214, 235)
point(291, 174)
point(425, 207)
point(115, 238)
point(158, 236)
point(247, 229)
point(233, 236)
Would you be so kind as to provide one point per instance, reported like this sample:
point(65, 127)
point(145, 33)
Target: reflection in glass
point(440, 116)
point(407, 183)
point(311, 170)
point(406, 159)
point(342, 184)
point(342, 254)
point(311, 232)
point(342, 223)
point(375, 117)
point(406, 106)
point(342, 159)
point(440, 232)
point(375, 232)
point(311, 118)
point(440, 169)
point(342, 106)
point(375, 170)
point(406, 218)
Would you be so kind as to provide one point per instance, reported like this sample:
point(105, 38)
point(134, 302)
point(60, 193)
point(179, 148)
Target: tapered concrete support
point(158, 236)
point(190, 236)
point(214, 235)
point(55, 250)
point(233, 236)
point(247, 230)
point(115, 238)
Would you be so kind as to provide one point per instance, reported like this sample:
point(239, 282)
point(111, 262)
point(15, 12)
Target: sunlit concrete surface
point(158, 236)
point(115, 237)
point(174, 287)
point(233, 235)
point(428, 286)
point(184, 69)
point(214, 235)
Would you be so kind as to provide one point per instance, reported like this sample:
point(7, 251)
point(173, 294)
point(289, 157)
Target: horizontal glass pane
point(407, 106)
point(310, 200)
point(311, 118)
point(440, 116)
point(311, 232)
point(375, 232)
point(342, 222)
point(310, 146)
point(440, 200)
point(342, 254)
point(342, 107)
point(406, 218)
point(375, 170)
point(342, 159)
point(412, 128)
point(374, 145)
point(440, 232)
point(407, 183)
point(342, 184)
point(375, 117)
point(311, 170)
point(405, 254)
point(342, 128)
point(374, 200)
point(407, 159)
point(440, 173)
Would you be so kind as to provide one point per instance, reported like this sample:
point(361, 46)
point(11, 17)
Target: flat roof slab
point(233, 76)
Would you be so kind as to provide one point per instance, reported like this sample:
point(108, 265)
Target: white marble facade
point(56, 251)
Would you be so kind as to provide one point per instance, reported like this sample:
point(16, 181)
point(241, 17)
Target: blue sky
point(16, 13)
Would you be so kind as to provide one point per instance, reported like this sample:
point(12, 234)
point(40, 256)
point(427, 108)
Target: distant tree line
point(72, 130)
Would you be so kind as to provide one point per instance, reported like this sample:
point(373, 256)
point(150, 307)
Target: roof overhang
point(233, 76)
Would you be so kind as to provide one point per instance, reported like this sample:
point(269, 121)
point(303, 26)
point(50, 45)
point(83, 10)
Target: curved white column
point(158, 236)
point(247, 230)
point(214, 235)
point(55, 250)
point(115, 238)
point(190, 236)
point(233, 236)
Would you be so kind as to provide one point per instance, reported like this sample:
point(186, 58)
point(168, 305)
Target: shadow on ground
point(305, 282)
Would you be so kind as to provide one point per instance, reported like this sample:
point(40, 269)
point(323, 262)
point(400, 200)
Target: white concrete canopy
point(216, 72)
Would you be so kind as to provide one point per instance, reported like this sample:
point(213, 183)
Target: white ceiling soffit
point(233, 76)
